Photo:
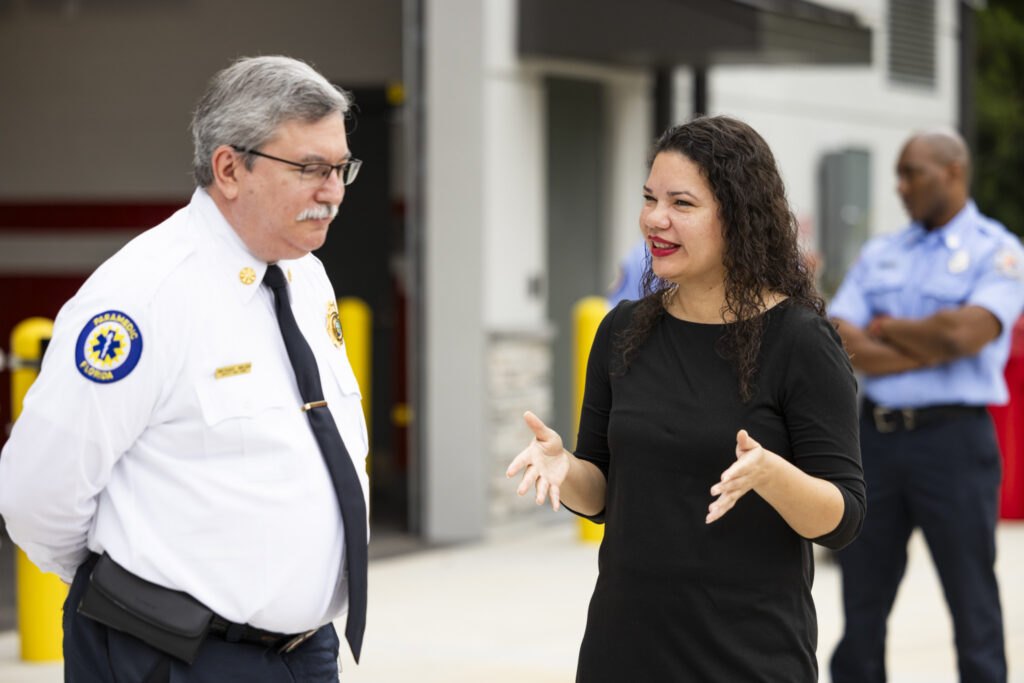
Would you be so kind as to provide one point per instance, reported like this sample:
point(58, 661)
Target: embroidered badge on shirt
point(108, 347)
point(334, 325)
point(959, 261)
point(1008, 264)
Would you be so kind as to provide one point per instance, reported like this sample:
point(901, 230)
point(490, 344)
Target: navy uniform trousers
point(943, 478)
point(94, 653)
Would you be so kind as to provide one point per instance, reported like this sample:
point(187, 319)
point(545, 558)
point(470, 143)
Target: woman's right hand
point(545, 462)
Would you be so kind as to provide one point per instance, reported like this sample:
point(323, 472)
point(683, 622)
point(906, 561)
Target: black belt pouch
point(171, 621)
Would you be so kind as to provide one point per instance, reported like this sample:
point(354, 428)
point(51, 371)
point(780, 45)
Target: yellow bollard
point(357, 322)
point(587, 315)
point(40, 596)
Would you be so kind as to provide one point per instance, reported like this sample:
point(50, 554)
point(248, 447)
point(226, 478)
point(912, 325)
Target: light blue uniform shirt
point(914, 273)
point(631, 272)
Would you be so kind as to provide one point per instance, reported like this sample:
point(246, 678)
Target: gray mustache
point(318, 213)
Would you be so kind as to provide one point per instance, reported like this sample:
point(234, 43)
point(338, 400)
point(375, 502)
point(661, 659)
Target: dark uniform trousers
point(94, 653)
point(943, 478)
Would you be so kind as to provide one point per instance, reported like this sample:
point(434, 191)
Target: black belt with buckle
point(887, 419)
point(233, 633)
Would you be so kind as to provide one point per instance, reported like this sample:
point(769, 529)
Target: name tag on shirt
point(232, 370)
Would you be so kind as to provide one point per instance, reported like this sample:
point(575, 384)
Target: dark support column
point(664, 96)
point(664, 99)
point(414, 134)
point(700, 90)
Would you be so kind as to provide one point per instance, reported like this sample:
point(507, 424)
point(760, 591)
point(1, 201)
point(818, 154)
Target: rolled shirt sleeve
point(1000, 287)
point(851, 302)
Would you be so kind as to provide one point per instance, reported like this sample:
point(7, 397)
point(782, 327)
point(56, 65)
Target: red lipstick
point(661, 248)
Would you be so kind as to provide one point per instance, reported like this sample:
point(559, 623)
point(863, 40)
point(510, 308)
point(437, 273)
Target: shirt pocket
point(248, 421)
point(342, 372)
point(946, 290)
point(882, 288)
point(350, 415)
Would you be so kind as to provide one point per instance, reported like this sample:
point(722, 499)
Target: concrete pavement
point(512, 609)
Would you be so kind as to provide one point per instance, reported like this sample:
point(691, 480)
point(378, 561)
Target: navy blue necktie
point(339, 464)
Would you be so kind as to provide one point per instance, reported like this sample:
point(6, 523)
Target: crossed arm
point(892, 345)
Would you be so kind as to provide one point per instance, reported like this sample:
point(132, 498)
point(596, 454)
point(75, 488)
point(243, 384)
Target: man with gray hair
point(926, 314)
point(191, 459)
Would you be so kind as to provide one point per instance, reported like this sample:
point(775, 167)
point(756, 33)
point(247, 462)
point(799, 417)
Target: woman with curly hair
point(718, 436)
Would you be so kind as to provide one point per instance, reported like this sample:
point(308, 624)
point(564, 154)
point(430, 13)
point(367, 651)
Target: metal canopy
point(659, 33)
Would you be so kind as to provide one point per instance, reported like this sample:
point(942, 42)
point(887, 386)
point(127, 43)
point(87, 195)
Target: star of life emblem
point(108, 347)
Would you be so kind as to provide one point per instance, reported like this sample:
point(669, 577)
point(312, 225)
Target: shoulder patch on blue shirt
point(108, 347)
point(1008, 263)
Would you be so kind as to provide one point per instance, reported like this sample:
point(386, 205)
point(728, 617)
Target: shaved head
point(933, 176)
point(947, 147)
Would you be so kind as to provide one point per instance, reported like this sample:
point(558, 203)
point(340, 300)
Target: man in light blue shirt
point(926, 314)
point(628, 284)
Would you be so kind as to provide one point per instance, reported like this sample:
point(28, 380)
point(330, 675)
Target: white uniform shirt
point(209, 484)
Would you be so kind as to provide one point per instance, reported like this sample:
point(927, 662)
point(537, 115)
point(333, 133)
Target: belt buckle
point(293, 643)
point(908, 418)
point(883, 424)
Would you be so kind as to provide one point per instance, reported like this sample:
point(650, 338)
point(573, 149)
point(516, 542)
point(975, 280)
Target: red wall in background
point(1009, 422)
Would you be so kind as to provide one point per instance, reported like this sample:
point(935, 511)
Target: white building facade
point(494, 183)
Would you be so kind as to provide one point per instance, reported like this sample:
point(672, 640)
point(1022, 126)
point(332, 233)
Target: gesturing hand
point(544, 462)
point(748, 472)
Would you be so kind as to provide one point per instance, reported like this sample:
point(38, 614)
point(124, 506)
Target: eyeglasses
point(314, 173)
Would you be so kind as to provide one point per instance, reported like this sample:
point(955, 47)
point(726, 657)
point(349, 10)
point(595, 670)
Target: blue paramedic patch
point(108, 347)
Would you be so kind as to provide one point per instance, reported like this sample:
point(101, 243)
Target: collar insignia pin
point(247, 276)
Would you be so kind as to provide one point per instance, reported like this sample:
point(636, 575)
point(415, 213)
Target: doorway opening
point(365, 257)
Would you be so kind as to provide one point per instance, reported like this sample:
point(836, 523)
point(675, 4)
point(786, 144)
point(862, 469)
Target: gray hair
point(246, 102)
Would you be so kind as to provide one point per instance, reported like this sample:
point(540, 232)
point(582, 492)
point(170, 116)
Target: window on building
point(912, 42)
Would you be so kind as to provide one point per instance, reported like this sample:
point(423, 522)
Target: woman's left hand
point(748, 472)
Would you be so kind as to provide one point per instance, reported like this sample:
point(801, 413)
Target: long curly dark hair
point(761, 252)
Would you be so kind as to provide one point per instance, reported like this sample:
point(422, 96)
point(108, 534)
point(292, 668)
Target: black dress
point(677, 599)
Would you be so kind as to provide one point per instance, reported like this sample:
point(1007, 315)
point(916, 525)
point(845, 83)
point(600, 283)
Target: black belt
point(887, 419)
point(233, 633)
point(169, 620)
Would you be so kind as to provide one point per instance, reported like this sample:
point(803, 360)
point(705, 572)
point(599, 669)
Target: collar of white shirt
point(230, 253)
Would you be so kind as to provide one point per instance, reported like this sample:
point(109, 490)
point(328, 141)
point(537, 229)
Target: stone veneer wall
point(518, 379)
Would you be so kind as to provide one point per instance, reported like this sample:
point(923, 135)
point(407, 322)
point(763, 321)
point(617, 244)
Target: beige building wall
point(97, 96)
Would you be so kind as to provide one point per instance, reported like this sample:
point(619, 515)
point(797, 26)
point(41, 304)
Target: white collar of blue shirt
point(231, 252)
point(952, 234)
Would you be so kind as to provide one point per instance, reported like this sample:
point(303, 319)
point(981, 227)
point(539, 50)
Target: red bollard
point(1009, 422)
